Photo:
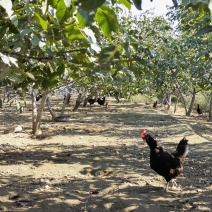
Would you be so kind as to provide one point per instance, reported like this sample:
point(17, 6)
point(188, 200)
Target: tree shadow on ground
point(125, 125)
point(108, 180)
point(114, 176)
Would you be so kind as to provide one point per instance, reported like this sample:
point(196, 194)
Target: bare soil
point(97, 162)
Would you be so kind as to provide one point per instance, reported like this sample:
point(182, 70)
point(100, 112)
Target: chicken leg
point(173, 184)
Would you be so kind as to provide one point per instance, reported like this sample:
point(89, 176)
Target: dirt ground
point(97, 162)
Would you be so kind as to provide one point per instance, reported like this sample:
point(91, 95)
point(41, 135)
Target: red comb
point(143, 132)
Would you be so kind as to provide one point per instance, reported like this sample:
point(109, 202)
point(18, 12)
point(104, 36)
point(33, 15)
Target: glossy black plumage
point(92, 100)
point(38, 97)
point(199, 111)
point(101, 101)
point(169, 165)
point(155, 104)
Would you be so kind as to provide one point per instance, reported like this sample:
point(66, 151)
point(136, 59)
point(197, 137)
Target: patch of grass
point(203, 101)
point(143, 99)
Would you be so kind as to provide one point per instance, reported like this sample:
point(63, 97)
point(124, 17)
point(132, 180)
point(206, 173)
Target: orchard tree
point(193, 67)
point(46, 43)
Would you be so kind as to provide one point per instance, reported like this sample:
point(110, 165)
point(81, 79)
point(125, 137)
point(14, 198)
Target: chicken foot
point(173, 184)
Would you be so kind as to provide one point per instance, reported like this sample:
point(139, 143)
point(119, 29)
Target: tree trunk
point(117, 98)
point(50, 109)
point(78, 102)
point(192, 102)
point(176, 103)
point(65, 103)
point(169, 102)
point(85, 102)
point(184, 103)
point(1, 103)
point(210, 110)
point(170, 99)
point(37, 114)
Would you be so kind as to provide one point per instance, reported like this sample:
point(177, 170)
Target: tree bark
point(192, 102)
point(210, 110)
point(1, 103)
point(176, 103)
point(169, 102)
point(78, 102)
point(37, 113)
point(85, 102)
point(170, 99)
point(184, 103)
point(50, 109)
point(65, 103)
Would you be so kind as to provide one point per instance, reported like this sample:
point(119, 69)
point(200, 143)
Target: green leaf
point(13, 29)
point(185, 2)
point(5, 72)
point(18, 78)
point(81, 20)
point(90, 5)
point(126, 3)
point(140, 60)
point(107, 54)
point(60, 69)
point(35, 40)
point(73, 31)
point(61, 11)
point(49, 52)
point(113, 72)
point(87, 16)
point(3, 30)
point(53, 3)
point(107, 21)
point(30, 75)
point(25, 32)
point(44, 24)
point(204, 30)
point(198, 5)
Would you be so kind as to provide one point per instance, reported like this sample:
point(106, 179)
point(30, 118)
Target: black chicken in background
point(91, 100)
point(169, 165)
point(155, 104)
point(38, 97)
point(101, 101)
point(199, 111)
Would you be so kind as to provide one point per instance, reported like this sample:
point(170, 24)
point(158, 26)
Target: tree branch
point(24, 56)
point(59, 53)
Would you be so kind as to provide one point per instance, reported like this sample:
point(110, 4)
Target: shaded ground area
point(97, 162)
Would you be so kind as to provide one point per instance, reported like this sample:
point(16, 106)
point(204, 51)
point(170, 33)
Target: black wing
point(168, 159)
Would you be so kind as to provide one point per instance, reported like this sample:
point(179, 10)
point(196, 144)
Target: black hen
point(92, 100)
point(101, 101)
point(169, 165)
point(199, 111)
point(155, 104)
point(38, 97)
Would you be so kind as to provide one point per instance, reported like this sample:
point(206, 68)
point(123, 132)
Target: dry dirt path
point(97, 162)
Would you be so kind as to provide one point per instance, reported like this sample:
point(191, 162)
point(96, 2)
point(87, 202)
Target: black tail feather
point(182, 148)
